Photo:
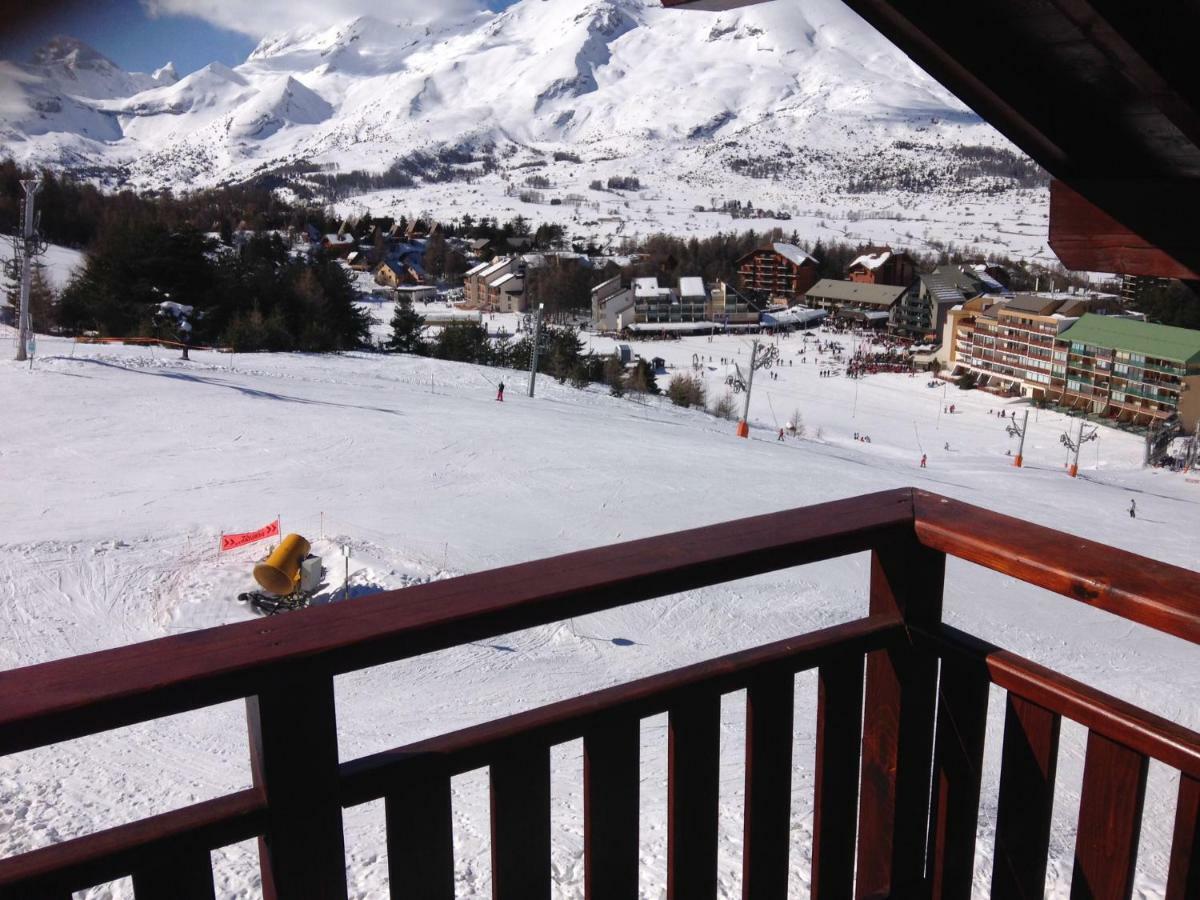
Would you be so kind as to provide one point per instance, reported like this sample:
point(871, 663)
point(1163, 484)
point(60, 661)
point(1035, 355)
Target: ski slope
point(121, 466)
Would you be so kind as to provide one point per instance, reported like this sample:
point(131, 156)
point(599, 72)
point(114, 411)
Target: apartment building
point(781, 271)
point(1128, 370)
point(1011, 343)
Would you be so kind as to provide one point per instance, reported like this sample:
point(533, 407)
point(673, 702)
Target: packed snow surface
point(121, 466)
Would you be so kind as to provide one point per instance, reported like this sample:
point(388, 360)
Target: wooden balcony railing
point(879, 831)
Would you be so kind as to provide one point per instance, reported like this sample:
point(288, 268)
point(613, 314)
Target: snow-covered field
point(122, 465)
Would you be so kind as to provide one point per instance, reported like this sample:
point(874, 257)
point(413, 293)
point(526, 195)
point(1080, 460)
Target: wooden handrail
point(113, 853)
point(83, 695)
point(367, 778)
point(1157, 594)
point(1152, 735)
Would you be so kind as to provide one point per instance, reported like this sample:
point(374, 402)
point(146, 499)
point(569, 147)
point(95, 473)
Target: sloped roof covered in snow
point(871, 260)
point(793, 254)
point(475, 270)
point(692, 286)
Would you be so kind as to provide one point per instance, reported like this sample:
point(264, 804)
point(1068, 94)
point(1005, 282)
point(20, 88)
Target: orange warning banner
point(233, 541)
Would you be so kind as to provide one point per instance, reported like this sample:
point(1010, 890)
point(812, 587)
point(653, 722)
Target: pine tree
point(43, 305)
point(407, 325)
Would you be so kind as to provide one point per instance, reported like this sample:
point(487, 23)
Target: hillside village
point(1085, 351)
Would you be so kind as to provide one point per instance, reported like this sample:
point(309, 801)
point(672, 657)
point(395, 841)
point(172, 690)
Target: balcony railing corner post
point(901, 684)
point(294, 762)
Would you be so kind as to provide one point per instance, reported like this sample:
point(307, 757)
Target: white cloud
point(259, 18)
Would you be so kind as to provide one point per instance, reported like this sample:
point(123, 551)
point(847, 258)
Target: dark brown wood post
point(957, 769)
point(1029, 762)
point(178, 876)
point(1110, 820)
point(520, 788)
point(906, 580)
point(770, 700)
point(839, 743)
point(420, 838)
point(294, 761)
point(1184, 879)
point(693, 764)
point(611, 785)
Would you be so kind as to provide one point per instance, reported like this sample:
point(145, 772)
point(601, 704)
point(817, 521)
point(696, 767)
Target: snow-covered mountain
point(799, 106)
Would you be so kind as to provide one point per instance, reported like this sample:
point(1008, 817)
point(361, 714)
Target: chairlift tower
point(1016, 430)
point(763, 359)
point(26, 246)
point(1073, 446)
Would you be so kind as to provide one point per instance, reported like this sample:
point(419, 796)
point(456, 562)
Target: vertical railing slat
point(420, 839)
point(901, 693)
point(835, 815)
point(770, 700)
point(294, 761)
point(520, 789)
point(957, 770)
point(693, 754)
point(1029, 761)
point(177, 876)
point(611, 785)
point(1183, 882)
point(1110, 820)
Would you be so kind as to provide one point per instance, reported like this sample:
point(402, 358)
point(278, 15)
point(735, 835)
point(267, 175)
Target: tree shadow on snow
point(247, 391)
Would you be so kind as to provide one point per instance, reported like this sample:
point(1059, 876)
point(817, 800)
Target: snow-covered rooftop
point(692, 286)
point(793, 253)
point(872, 260)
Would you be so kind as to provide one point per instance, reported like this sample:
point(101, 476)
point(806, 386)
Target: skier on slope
point(923, 459)
point(500, 392)
point(1133, 509)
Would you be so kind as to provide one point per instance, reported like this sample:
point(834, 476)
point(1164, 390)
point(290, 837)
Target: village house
point(506, 293)
point(882, 265)
point(340, 244)
point(397, 272)
point(779, 271)
point(863, 303)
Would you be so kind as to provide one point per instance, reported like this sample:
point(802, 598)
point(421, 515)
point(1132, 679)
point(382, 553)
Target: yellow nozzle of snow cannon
point(280, 572)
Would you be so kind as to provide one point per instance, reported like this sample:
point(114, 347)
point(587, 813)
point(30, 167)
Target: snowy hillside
point(799, 108)
point(127, 463)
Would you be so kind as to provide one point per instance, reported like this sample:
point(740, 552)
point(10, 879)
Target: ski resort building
point(1011, 344)
point(866, 303)
point(779, 271)
point(924, 310)
point(882, 265)
point(1128, 370)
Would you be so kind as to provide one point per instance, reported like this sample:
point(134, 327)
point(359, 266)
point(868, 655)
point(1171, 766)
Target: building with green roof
point(1129, 370)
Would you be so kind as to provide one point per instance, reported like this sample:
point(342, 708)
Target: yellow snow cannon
point(280, 572)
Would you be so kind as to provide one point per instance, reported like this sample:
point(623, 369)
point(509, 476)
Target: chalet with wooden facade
point(778, 271)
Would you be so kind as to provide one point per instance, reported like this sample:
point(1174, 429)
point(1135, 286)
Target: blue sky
point(123, 31)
